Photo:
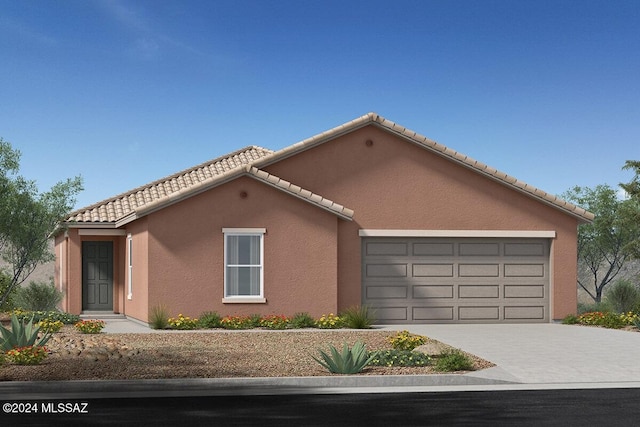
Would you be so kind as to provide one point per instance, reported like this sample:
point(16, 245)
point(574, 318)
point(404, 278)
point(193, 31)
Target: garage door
point(434, 280)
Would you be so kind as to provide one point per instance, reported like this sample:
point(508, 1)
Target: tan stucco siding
point(138, 306)
point(186, 260)
point(393, 184)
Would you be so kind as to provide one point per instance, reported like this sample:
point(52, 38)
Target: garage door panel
point(432, 291)
point(386, 314)
point(456, 280)
point(387, 292)
point(524, 270)
point(478, 313)
point(391, 248)
point(433, 249)
point(386, 270)
point(478, 270)
point(524, 313)
point(479, 249)
point(432, 270)
point(478, 291)
point(433, 313)
point(524, 291)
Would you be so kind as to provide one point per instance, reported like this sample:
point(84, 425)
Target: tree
point(603, 246)
point(633, 190)
point(27, 217)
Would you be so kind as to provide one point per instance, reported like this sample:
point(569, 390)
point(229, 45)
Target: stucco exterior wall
point(393, 184)
point(186, 259)
point(138, 306)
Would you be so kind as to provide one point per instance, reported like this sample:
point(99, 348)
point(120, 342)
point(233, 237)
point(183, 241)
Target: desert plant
point(406, 341)
point(159, 317)
point(22, 334)
point(209, 320)
point(302, 320)
point(182, 322)
point(623, 297)
point(51, 326)
point(399, 358)
point(236, 322)
point(358, 317)
point(570, 319)
point(453, 360)
point(350, 361)
point(5, 283)
point(329, 321)
point(30, 355)
point(605, 319)
point(38, 296)
point(90, 326)
point(37, 316)
point(274, 321)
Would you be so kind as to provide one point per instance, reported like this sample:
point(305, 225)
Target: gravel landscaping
point(203, 354)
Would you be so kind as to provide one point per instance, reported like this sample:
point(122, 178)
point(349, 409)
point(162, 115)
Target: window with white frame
point(130, 265)
point(243, 259)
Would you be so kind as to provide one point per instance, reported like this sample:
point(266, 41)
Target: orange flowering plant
point(30, 355)
point(90, 326)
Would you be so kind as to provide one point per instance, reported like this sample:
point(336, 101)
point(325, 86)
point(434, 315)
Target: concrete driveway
point(545, 353)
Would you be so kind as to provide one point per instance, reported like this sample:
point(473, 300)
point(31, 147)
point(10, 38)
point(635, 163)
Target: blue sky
point(126, 92)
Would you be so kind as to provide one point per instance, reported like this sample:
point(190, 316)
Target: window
point(130, 265)
point(243, 275)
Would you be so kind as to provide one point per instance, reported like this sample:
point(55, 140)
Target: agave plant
point(350, 361)
point(21, 334)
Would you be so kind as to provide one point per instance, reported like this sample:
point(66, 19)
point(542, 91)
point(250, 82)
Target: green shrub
point(406, 341)
point(90, 326)
point(237, 322)
point(47, 325)
point(37, 316)
point(623, 296)
point(361, 317)
point(254, 320)
point(329, 321)
point(30, 355)
point(399, 358)
point(302, 320)
point(274, 321)
point(453, 360)
point(38, 296)
point(22, 334)
point(5, 281)
point(350, 361)
point(159, 317)
point(596, 306)
point(605, 319)
point(209, 320)
point(570, 319)
point(182, 322)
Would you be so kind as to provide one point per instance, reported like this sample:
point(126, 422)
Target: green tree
point(633, 190)
point(603, 246)
point(27, 217)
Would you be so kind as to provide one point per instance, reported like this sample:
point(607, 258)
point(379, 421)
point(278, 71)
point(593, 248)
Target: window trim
point(130, 266)
point(242, 299)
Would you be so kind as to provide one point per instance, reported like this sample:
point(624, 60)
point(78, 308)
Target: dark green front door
point(97, 276)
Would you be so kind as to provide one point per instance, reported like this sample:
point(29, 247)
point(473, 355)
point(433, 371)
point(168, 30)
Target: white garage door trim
point(541, 234)
point(457, 279)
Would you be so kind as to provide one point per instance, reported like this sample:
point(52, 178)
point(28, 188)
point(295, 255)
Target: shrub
point(361, 317)
point(570, 319)
point(453, 360)
point(30, 355)
point(302, 320)
point(254, 320)
point(329, 321)
point(183, 322)
point(66, 318)
point(237, 322)
point(623, 297)
point(90, 326)
point(5, 281)
point(399, 358)
point(159, 317)
point(599, 318)
point(22, 335)
point(51, 326)
point(406, 341)
point(350, 361)
point(209, 320)
point(597, 306)
point(38, 296)
point(275, 321)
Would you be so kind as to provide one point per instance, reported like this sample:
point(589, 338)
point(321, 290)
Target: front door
point(97, 276)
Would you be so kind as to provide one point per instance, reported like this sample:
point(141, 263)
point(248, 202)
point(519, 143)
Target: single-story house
point(366, 213)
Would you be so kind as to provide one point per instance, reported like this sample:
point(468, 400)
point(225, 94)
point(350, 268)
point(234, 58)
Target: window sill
point(249, 300)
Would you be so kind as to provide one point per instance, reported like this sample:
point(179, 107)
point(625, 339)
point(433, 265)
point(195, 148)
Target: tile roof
point(143, 200)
